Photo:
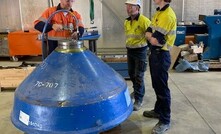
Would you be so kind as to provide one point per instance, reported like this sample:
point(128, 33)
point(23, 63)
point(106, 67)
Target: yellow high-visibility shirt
point(135, 31)
point(165, 22)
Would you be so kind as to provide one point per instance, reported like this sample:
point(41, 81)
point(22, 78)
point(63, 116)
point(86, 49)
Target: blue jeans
point(137, 64)
point(159, 61)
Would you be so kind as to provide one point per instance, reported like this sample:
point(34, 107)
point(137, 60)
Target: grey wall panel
point(195, 7)
point(177, 6)
point(9, 15)
point(30, 10)
point(114, 14)
point(83, 7)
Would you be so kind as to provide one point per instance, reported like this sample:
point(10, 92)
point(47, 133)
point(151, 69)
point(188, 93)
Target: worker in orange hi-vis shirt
point(60, 22)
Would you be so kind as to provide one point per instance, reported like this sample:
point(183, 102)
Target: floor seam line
point(193, 106)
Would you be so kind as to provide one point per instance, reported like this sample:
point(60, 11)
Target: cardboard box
point(184, 53)
point(191, 57)
point(189, 38)
point(174, 52)
point(197, 49)
point(184, 47)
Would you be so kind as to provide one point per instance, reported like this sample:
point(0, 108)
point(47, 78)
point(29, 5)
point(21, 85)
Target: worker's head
point(66, 4)
point(160, 1)
point(133, 7)
point(134, 2)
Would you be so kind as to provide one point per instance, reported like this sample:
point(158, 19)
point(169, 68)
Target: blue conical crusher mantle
point(72, 91)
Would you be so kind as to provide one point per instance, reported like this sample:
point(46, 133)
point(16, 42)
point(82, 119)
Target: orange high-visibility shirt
point(63, 18)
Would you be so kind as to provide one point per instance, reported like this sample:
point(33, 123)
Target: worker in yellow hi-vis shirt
point(161, 35)
point(135, 27)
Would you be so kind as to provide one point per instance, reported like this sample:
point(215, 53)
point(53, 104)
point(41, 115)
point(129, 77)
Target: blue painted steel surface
point(120, 67)
point(90, 37)
point(71, 93)
point(201, 38)
point(180, 35)
point(213, 50)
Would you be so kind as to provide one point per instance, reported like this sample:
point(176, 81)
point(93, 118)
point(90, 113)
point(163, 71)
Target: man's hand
point(74, 35)
point(153, 41)
point(57, 27)
point(148, 35)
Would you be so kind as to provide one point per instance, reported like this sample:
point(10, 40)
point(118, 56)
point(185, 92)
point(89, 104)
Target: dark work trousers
point(137, 64)
point(160, 61)
point(51, 46)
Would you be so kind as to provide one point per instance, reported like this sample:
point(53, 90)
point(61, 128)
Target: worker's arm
point(40, 22)
point(158, 38)
point(81, 31)
point(40, 25)
point(80, 23)
point(155, 38)
point(75, 34)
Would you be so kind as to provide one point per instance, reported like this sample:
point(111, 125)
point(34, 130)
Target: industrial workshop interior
point(83, 85)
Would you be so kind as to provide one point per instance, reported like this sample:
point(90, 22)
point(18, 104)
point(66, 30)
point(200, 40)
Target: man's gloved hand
point(74, 35)
point(57, 27)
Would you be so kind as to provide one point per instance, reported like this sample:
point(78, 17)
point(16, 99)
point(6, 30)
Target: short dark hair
point(168, 1)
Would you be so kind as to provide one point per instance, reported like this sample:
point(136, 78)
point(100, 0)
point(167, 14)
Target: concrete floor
point(196, 106)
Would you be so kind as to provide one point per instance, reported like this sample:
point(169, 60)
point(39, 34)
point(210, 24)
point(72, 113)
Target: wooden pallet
point(124, 59)
point(114, 58)
point(214, 65)
point(11, 78)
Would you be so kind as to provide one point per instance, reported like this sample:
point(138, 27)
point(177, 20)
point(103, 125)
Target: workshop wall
point(15, 14)
point(109, 15)
point(9, 15)
point(83, 7)
point(195, 7)
point(30, 10)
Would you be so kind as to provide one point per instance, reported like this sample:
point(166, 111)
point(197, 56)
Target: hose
point(44, 52)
